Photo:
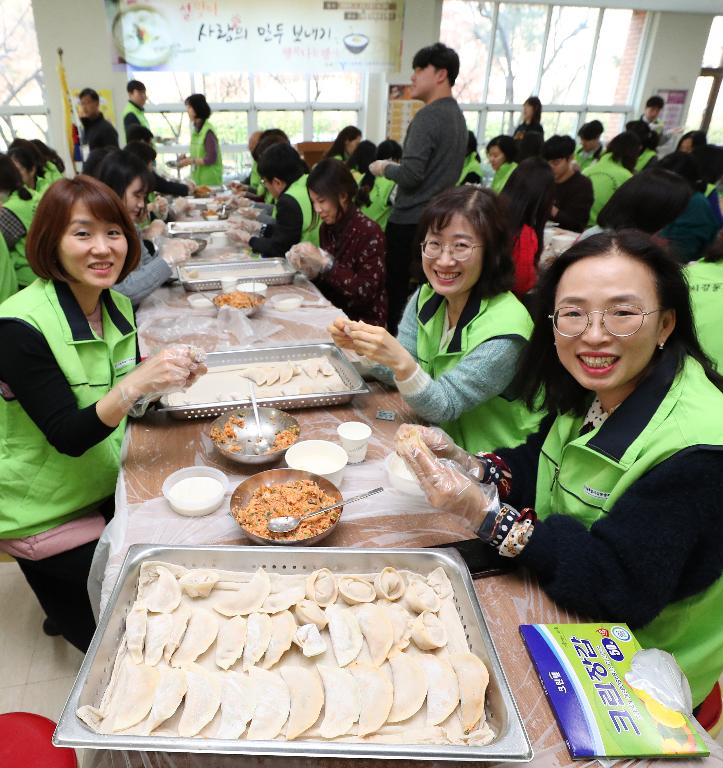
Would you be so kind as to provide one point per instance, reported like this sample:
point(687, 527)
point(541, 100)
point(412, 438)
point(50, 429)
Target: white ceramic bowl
point(207, 500)
point(285, 302)
point(321, 457)
point(401, 477)
point(260, 288)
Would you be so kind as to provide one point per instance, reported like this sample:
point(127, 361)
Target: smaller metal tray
point(196, 227)
point(269, 271)
point(354, 383)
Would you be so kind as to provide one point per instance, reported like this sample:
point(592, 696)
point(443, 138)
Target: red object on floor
point(708, 712)
point(25, 742)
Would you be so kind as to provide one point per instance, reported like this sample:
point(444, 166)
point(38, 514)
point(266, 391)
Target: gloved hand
point(377, 167)
point(155, 229)
point(176, 250)
point(159, 206)
point(238, 235)
point(191, 185)
point(442, 446)
point(446, 484)
point(181, 206)
point(249, 213)
point(252, 227)
point(310, 260)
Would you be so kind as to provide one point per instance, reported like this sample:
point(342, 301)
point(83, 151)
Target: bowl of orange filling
point(281, 492)
point(234, 435)
point(247, 303)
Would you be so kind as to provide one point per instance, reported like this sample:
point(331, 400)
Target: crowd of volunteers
point(574, 402)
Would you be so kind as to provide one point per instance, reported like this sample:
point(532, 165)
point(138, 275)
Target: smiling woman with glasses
point(615, 502)
point(462, 331)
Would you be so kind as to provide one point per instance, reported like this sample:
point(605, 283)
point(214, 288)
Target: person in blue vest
point(615, 502)
point(69, 375)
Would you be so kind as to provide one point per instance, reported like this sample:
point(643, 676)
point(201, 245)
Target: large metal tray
point(269, 271)
point(354, 383)
point(196, 227)
point(510, 744)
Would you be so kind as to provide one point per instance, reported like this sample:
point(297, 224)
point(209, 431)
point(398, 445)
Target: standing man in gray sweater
point(432, 159)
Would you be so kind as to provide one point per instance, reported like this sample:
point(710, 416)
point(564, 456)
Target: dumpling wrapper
point(354, 590)
point(376, 694)
point(272, 374)
point(389, 584)
point(200, 634)
point(273, 702)
point(311, 368)
point(473, 678)
point(309, 639)
point(249, 597)
point(283, 628)
point(257, 375)
point(132, 698)
point(238, 703)
point(376, 626)
point(181, 617)
point(428, 632)
point(419, 597)
point(171, 689)
point(136, 624)
point(321, 587)
point(342, 702)
point(282, 601)
point(199, 582)
point(402, 623)
point(410, 687)
point(258, 637)
point(286, 373)
point(162, 594)
point(442, 688)
point(309, 612)
point(346, 635)
point(440, 583)
point(230, 641)
point(158, 633)
point(203, 699)
point(307, 699)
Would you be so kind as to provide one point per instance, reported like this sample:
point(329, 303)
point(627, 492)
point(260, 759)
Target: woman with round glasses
point(615, 502)
point(462, 332)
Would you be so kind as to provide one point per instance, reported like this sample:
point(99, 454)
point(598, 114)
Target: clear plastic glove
point(181, 206)
point(252, 227)
point(446, 484)
point(442, 446)
point(191, 186)
point(377, 167)
point(244, 202)
point(237, 235)
point(310, 260)
point(250, 213)
point(160, 207)
point(155, 229)
point(176, 250)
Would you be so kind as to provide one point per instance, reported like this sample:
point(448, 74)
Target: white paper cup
point(228, 284)
point(354, 436)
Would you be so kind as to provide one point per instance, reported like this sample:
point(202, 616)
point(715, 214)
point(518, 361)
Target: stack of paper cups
point(354, 436)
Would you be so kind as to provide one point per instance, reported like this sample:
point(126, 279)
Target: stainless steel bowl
point(272, 422)
point(248, 311)
point(241, 497)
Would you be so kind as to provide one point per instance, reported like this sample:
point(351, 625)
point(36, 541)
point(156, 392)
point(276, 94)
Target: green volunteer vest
point(309, 227)
point(705, 279)
point(8, 280)
point(645, 157)
point(501, 175)
point(25, 211)
point(41, 488)
point(607, 177)
point(584, 160)
point(52, 173)
point(379, 208)
point(212, 175)
point(131, 109)
point(255, 179)
point(471, 165)
point(584, 476)
point(498, 421)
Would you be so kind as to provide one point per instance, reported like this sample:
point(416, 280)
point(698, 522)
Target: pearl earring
point(660, 346)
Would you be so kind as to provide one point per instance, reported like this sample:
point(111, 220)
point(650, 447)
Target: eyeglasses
point(620, 320)
point(433, 249)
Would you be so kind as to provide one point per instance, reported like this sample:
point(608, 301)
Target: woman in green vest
point(376, 193)
point(501, 155)
point(68, 378)
point(360, 159)
point(615, 502)
point(53, 163)
point(649, 140)
point(16, 215)
point(345, 143)
point(705, 279)
point(462, 332)
point(30, 164)
point(205, 159)
point(8, 280)
point(472, 168)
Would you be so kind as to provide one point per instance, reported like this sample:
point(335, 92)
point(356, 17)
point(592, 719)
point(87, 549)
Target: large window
point(706, 104)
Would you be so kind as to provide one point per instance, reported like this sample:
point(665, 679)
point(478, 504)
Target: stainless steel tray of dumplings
point(269, 271)
point(510, 744)
point(353, 382)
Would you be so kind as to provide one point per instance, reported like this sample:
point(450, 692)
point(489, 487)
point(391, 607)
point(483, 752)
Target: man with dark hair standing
point(573, 191)
point(133, 113)
point(97, 131)
point(653, 107)
point(433, 155)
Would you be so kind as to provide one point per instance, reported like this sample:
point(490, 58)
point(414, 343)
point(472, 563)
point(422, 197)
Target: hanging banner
point(274, 36)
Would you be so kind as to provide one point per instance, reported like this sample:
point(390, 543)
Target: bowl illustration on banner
point(356, 43)
point(142, 36)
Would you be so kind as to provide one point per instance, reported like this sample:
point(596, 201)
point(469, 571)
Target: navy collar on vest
point(78, 322)
point(626, 423)
point(470, 311)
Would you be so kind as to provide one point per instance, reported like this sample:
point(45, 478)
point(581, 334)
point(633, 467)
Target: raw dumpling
point(203, 699)
point(389, 584)
point(342, 702)
point(249, 597)
point(273, 702)
point(346, 635)
point(402, 623)
point(136, 622)
point(410, 687)
point(307, 699)
point(428, 632)
point(200, 633)
point(327, 368)
point(308, 612)
point(421, 597)
point(376, 694)
point(180, 623)
point(230, 641)
point(321, 587)
point(272, 375)
point(158, 633)
point(355, 590)
point(376, 626)
point(198, 583)
point(311, 368)
point(473, 678)
point(132, 697)
point(286, 373)
point(238, 702)
point(162, 594)
point(257, 375)
point(283, 627)
point(440, 583)
point(258, 636)
point(442, 688)
point(309, 639)
point(171, 689)
point(282, 601)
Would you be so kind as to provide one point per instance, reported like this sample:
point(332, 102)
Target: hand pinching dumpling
point(354, 589)
point(428, 632)
point(389, 584)
point(321, 587)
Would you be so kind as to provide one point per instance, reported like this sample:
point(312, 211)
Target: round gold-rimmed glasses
point(619, 320)
point(433, 249)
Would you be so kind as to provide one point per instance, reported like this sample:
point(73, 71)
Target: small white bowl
point(195, 505)
point(321, 457)
point(285, 302)
point(260, 288)
point(401, 477)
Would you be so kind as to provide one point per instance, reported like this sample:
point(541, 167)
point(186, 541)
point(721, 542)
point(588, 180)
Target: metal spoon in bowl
point(261, 444)
point(289, 522)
